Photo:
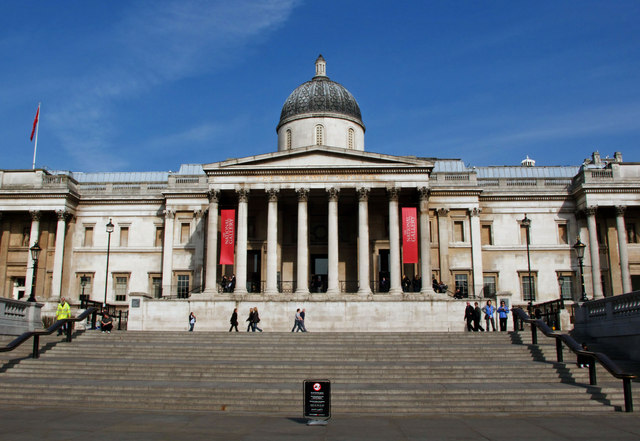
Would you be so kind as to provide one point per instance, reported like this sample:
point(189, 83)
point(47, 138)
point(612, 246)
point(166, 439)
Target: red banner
point(228, 236)
point(409, 235)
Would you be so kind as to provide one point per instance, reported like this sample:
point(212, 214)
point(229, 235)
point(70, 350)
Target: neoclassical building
point(321, 217)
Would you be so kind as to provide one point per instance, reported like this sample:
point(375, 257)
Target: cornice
point(320, 171)
point(120, 201)
point(450, 192)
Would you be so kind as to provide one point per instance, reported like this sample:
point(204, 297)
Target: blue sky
point(148, 85)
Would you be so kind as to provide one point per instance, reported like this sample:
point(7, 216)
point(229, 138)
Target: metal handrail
point(603, 359)
point(50, 330)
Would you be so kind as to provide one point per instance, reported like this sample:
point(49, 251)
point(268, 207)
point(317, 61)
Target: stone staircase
point(379, 373)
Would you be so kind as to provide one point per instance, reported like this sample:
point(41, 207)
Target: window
point(124, 236)
point(88, 237)
point(565, 283)
point(159, 236)
point(462, 284)
point(319, 135)
point(183, 286)
point(185, 232)
point(528, 286)
point(489, 282)
point(85, 286)
point(563, 236)
point(288, 139)
point(156, 285)
point(631, 233)
point(458, 231)
point(485, 233)
point(121, 288)
point(523, 235)
point(350, 138)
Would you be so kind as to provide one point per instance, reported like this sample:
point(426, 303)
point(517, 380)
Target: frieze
point(320, 172)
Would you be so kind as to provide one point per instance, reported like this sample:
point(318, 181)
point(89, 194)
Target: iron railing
point(574, 346)
point(116, 312)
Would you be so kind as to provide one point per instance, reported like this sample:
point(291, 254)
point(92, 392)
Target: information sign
point(317, 399)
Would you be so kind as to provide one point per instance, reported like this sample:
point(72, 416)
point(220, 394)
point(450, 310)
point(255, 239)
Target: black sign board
point(317, 399)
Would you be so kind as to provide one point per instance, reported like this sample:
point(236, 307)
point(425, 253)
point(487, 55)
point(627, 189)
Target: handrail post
point(559, 350)
point(94, 316)
point(534, 334)
point(628, 399)
point(515, 322)
point(592, 372)
point(119, 319)
point(36, 346)
point(69, 325)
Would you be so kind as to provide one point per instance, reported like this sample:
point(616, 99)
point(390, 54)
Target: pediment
point(319, 157)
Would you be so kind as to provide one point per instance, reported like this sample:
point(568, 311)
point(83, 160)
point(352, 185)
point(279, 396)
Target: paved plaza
point(43, 423)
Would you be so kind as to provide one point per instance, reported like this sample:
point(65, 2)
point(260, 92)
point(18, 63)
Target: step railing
point(50, 330)
point(520, 316)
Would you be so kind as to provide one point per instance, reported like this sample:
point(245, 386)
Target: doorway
point(254, 262)
point(320, 272)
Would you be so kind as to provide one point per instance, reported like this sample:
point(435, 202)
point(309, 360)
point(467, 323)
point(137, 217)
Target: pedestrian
point(224, 283)
point(63, 312)
point(417, 284)
point(406, 284)
point(503, 314)
point(302, 326)
point(256, 319)
point(250, 320)
point(584, 360)
point(489, 310)
point(106, 323)
point(234, 320)
point(296, 321)
point(469, 313)
point(477, 314)
point(232, 283)
point(192, 321)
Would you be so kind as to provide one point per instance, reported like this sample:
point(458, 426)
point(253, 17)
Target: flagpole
point(35, 146)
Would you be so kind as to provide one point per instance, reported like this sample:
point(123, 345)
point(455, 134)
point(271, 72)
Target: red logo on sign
point(316, 387)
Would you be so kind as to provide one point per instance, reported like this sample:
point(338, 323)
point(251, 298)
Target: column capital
point(303, 194)
point(197, 214)
point(273, 194)
point(333, 193)
point(63, 214)
point(620, 209)
point(243, 194)
point(169, 214)
point(35, 215)
point(214, 196)
point(474, 212)
point(424, 193)
point(442, 212)
point(393, 193)
point(363, 194)
point(591, 211)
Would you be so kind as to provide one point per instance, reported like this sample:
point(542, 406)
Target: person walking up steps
point(250, 320)
point(256, 319)
point(192, 321)
point(296, 321)
point(234, 320)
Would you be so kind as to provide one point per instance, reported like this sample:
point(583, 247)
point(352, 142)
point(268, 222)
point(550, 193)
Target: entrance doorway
point(254, 263)
point(383, 283)
point(320, 271)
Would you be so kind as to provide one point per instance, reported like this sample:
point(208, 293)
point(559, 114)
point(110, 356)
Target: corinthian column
point(364, 287)
point(395, 286)
point(332, 257)
point(443, 244)
point(594, 253)
point(476, 252)
point(211, 276)
point(241, 252)
point(622, 249)
point(56, 280)
point(425, 244)
point(167, 252)
point(302, 279)
point(33, 238)
point(272, 243)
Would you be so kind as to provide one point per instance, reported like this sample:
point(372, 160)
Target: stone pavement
point(43, 423)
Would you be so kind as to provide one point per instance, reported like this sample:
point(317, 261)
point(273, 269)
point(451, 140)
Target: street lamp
point(35, 253)
point(526, 223)
point(83, 282)
point(579, 247)
point(106, 276)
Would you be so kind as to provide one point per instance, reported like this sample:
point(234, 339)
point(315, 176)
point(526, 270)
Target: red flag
point(228, 235)
point(35, 122)
point(409, 235)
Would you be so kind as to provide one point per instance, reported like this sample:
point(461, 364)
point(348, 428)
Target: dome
point(320, 97)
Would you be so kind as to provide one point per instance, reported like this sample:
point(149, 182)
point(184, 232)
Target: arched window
point(288, 139)
point(319, 135)
point(351, 134)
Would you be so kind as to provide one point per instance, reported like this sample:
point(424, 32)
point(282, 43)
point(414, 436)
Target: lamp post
point(35, 253)
point(579, 247)
point(526, 223)
point(83, 282)
point(106, 276)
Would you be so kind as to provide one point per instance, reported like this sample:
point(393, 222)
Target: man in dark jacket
point(469, 314)
point(477, 315)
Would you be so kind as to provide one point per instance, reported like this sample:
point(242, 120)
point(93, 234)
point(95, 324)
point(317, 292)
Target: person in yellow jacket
point(63, 312)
